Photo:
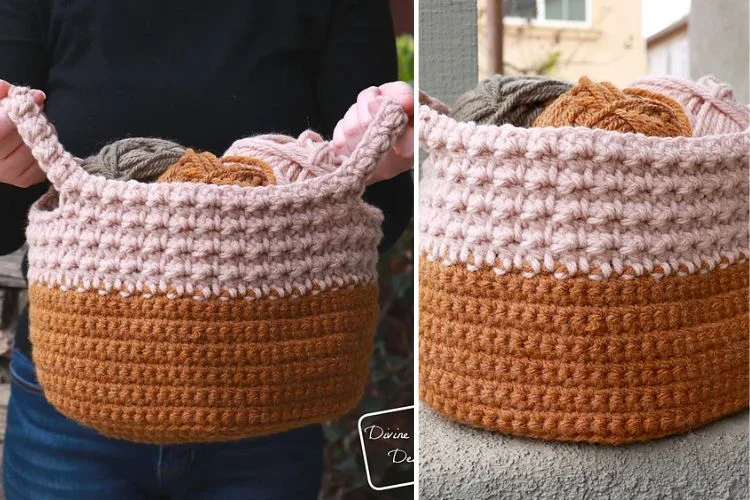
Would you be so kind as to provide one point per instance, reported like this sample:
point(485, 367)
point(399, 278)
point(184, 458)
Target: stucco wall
point(670, 55)
point(447, 47)
point(459, 462)
point(611, 49)
point(718, 33)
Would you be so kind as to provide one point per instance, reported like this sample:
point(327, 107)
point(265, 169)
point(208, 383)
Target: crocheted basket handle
point(426, 99)
point(434, 116)
point(39, 135)
point(387, 126)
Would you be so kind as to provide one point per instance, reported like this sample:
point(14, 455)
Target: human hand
point(17, 166)
point(350, 129)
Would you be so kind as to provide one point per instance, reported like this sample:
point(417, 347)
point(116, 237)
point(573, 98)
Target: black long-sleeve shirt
point(200, 73)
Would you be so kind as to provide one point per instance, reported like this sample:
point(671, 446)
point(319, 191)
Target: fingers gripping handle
point(381, 134)
point(39, 135)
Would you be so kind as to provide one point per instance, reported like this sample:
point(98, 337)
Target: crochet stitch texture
point(579, 284)
point(190, 312)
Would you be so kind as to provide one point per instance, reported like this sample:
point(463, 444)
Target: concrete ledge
point(459, 462)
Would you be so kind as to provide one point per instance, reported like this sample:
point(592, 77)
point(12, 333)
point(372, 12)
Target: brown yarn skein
point(604, 106)
point(517, 100)
point(207, 168)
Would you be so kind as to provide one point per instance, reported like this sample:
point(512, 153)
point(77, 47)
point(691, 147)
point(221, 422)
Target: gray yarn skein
point(140, 158)
point(517, 100)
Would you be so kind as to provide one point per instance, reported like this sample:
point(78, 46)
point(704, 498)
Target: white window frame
point(552, 23)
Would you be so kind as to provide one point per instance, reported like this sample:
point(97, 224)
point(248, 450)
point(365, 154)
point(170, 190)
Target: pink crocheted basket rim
point(440, 132)
point(258, 197)
point(474, 164)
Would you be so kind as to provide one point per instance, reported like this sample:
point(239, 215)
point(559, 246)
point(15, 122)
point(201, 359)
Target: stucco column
point(447, 47)
point(718, 38)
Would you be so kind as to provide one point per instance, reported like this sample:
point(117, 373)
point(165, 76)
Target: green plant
point(405, 53)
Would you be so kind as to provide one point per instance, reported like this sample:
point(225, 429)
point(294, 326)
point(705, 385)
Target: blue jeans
point(49, 456)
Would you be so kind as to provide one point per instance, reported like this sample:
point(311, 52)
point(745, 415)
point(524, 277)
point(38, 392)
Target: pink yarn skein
point(292, 159)
point(709, 102)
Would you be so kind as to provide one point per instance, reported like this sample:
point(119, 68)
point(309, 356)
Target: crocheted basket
point(187, 312)
point(582, 285)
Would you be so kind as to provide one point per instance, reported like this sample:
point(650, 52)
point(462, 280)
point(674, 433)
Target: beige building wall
point(610, 47)
point(669, 55)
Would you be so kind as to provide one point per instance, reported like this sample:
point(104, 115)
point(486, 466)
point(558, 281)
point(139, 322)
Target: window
point(548, 11)
point(565, 10)
point(525, 9)
point(682, 66)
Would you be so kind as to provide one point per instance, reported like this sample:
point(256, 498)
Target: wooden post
point(495, 35)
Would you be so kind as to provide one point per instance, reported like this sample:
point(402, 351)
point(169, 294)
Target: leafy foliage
point(405, 52)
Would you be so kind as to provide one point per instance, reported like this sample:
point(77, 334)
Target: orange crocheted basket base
point(613, 361)
point(160, 370)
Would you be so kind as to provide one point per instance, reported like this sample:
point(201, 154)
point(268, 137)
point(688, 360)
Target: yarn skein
point(207, 168)
point(710, 103)
point(604, 106)
point(293, 159)
point(136, 158)
point(517, 100)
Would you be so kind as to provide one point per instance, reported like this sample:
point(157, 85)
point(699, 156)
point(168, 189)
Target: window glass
point(565, 10)
point(519, 8)
point(576, 10)
point(553, 9)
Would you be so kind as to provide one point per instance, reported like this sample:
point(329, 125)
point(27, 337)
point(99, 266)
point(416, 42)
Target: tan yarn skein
point(604, 106)
point(138, 158)
point(517, 100)
point(207, 168)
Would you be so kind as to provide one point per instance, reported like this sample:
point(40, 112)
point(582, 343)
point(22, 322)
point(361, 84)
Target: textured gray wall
point(457, 462)
point(447, 47)
point(718, 39)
